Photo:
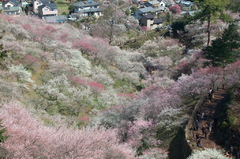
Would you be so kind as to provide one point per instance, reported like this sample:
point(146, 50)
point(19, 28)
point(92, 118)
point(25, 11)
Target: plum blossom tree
point(188, 86)
point(34, 139)
point(212, 75)
point(156, 153)
point(21, 73)
point(207, 153)
point(84, 45)
point(157, 100)
point(9, 91)
point(78, 62)
point(175, 8)
point(163, 82)
point(231, 74)
point(141, 135)
point(31, 62)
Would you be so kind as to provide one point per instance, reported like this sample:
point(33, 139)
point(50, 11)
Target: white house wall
point(36, 4)
point(9, 4)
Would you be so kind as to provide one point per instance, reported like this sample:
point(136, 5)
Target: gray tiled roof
point(146, 10)
point(153, 2)
point(157, 21)
point(149, 16)
point(50, 5)
point(44, 1)
point(86, 4)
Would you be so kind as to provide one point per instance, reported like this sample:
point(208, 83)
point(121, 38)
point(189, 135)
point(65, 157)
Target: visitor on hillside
point(199, 142)
point(197, 124)
point(206, 113)
point(198, 115)
point(231, 149)
point(210, 126)
point(203, 129)
point(206, 133)
point(210, 95)
point(202, 115)
point(197, 136)
point(213, 91)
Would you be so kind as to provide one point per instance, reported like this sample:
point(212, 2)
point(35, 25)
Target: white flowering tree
point(207, 154)
point(21, 73)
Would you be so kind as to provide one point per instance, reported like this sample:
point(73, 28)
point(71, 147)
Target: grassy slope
point(62, 6)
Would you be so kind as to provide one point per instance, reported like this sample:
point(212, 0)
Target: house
point(159, 6)
point(12, 7)
point(150, 22)
point(143, 11)
point(37, 3)
point(48, 9)
point(155, 4)
point(162, 2)
point(87, 8)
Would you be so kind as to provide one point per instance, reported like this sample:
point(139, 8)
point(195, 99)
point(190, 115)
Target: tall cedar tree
point(211, 10)
point(3, 137)
point(223, 50)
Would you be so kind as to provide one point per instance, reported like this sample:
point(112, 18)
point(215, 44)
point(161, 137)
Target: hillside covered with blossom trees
point(65, 94)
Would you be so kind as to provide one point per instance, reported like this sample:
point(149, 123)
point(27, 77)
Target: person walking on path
point(199, 142)
point(210, 94)
point(206, 133)
point(197, 124)
point(210, 126)
point(202, 116)
point(203, 129)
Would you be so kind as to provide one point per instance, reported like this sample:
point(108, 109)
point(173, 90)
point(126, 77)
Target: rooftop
point(86, 3)
point(148, 16)
point(53, 6)
point(157, 21)
point(146, 10)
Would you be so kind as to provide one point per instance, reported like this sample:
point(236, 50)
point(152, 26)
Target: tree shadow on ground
point(179, 148)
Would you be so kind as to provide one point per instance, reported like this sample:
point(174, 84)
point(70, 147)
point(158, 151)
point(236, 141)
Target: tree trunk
point(208, 29)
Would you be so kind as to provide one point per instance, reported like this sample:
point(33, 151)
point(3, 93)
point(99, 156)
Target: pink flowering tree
point(157, 100)
point(97, 87)
point(188, 86)
point(231, 74)
point(76, 80)
point(84, 45)
point(141, 135)
point(34, 139)
point(212, 75)
point(175, 9)
point(31, 62)
point(154, 153)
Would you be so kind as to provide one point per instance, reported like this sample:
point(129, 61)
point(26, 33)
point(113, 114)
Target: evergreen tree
point(224, 49)
point(210, 11)
point(168, 17)
point(3, 137)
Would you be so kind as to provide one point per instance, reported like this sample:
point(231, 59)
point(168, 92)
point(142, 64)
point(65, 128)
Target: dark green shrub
point(3, 130)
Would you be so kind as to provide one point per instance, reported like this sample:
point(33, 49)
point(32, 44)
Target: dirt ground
point(209, 134)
